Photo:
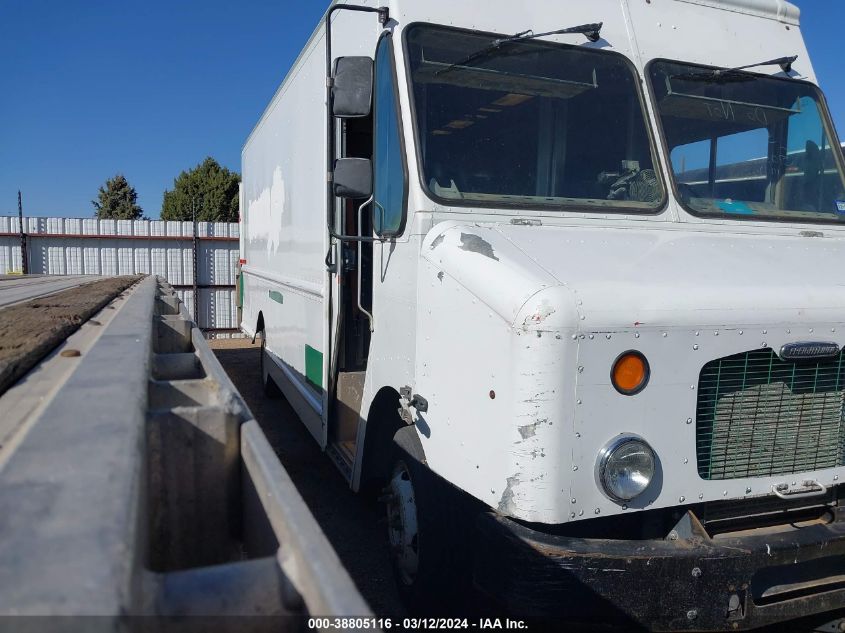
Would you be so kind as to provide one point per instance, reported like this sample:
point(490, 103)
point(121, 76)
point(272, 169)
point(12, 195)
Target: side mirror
point(353, 178)
point(352, 89)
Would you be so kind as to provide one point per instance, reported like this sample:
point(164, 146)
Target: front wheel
point(402, 525)
point(430, 564)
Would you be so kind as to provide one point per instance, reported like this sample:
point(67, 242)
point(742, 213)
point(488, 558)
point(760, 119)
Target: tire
point(269, 387)
point(428, 555)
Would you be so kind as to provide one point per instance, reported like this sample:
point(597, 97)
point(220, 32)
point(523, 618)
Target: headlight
point(625, 467)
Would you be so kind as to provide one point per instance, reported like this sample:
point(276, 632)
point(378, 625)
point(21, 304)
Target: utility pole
point(24, 262)
point(196, 243)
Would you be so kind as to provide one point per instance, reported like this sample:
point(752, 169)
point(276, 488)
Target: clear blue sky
point(89, 88)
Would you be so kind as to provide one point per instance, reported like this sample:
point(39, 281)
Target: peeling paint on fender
point(507, 504)
point(530, 430)
point(476, 244)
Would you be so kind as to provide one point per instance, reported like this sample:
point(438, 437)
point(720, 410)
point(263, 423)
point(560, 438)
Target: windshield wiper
point(785, 64)
point(592, 31)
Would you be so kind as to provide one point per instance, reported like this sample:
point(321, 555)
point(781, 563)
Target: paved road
point(354, 525)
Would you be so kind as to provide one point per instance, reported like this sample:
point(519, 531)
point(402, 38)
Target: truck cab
point(579, 267)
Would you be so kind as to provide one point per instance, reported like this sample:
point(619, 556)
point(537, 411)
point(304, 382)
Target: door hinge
point(409, 400)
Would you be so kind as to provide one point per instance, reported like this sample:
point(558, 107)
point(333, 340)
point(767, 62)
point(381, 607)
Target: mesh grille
point(759, 416)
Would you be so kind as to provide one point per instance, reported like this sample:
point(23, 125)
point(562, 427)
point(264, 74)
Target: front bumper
point(689, 584)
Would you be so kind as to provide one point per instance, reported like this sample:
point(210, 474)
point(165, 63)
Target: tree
point(208, 188)
point(117, 199)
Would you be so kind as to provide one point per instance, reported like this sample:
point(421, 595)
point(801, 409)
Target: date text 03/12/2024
point(413, 624)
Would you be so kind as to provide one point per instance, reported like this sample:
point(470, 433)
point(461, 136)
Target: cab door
point(378, 219)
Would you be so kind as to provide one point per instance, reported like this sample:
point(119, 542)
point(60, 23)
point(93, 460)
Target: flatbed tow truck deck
point(18, 288)
point(134, 480)
point(37, 313)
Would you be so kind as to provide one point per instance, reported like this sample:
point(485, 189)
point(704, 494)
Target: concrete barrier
point(141, 485)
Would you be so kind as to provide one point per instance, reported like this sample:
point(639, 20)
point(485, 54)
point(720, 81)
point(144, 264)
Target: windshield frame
point(521, 206)
point(826, 119)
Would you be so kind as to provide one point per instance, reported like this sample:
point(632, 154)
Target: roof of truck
point(780, 10)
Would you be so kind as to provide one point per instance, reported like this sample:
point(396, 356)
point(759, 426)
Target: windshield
point(529, 123)
point(748, 146)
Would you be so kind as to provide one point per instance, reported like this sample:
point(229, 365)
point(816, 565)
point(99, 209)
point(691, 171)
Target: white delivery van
point(566, 278)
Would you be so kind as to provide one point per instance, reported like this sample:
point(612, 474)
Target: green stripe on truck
point(314, 366)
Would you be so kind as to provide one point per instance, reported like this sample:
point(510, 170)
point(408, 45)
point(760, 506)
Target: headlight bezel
point(605, 455)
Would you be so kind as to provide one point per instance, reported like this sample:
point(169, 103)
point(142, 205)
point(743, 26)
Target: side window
point(388, 159)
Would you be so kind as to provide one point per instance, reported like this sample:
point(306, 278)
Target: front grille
point(760, 416)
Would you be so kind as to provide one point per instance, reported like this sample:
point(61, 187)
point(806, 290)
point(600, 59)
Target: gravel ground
point(354, 525)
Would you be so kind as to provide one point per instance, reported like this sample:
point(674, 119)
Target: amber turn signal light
point(630, 373)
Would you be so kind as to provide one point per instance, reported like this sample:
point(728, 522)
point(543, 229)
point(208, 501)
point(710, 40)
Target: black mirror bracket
point(383, 18)
point(331, 264)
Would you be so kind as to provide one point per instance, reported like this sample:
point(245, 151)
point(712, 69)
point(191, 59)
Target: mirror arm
point(354, 238)
point(360, 260)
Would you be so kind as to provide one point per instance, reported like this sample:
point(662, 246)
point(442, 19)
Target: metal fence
point(202, 268)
